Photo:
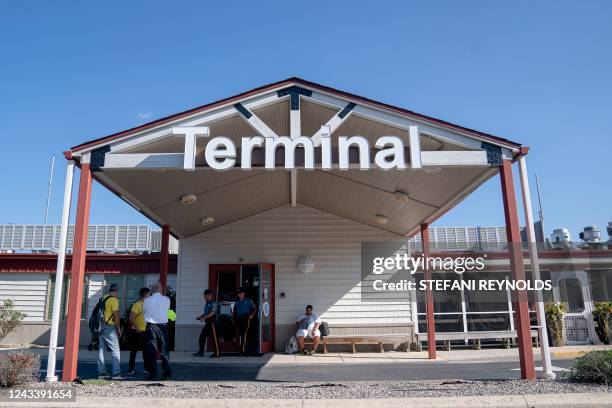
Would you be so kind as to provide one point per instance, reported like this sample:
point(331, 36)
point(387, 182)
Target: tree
point(10, 318)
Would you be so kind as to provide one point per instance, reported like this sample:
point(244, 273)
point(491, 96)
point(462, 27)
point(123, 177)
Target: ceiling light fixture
point(381, 219)
point(188, 199)
point(401, 196)
point(207, 221)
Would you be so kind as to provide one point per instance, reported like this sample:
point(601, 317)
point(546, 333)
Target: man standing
point(209, 331)
point(308, 326)
point(138, 330)
point(109, 336)
point(244, 312)
point(156, 317)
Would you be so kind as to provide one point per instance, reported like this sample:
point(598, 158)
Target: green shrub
point(18, 368)
point(10, 318)
point(555, 312)
point(595, 367)
point(602, 315)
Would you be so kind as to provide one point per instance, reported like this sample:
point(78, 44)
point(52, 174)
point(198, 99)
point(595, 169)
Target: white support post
point(59, 274)
point(535, 268)
point(334, 123)
point(415, 147)
point(295, 130)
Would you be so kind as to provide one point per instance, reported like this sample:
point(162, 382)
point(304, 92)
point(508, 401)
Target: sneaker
point(198, 354)
point(131, 372)
point(103, 376)
point(145, 372)
point(214, 356)
point(310, 353)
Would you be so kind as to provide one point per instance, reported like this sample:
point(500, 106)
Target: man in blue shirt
point(244, 312)
point(209, 331)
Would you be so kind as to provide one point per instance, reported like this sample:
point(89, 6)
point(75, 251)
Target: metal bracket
point(243, 111)
point(494, 154)
point(346, 110)
point(294, 92)
point(96, 160)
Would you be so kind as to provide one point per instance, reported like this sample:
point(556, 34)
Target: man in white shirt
point(156, 309)
point(308, 326)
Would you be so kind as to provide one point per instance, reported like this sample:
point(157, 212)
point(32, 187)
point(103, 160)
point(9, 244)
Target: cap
point(208, 292)
point(240, 289)
point(113, 287)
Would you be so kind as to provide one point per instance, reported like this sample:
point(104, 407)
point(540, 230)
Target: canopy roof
point(148, 166)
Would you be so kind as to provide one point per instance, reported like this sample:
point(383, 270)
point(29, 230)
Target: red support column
point(163, 259)
point(73, 320)
point(429, 303)
point(521, 301)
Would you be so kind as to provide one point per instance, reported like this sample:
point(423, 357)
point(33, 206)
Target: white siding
point(96, 289)
point(281, 236)
point(28, 291)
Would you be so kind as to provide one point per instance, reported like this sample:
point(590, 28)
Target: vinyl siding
point(28, 291)
point(96, 288)
point(281, 236)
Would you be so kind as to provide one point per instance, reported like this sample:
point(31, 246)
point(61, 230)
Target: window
point(64, 299)
point(571, 294)
point(129, 287)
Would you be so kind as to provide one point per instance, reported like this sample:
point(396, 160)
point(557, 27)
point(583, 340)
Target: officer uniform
point(210, 329)
point(242, 311)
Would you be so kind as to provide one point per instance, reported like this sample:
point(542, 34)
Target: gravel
point(344, 390)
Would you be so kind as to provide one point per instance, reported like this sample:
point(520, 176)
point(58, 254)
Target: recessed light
point(381, 219)
point(401, 196)
point(188, 199)
point(207, 220)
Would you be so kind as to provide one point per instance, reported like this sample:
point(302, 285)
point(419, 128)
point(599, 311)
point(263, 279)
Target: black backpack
point(324, 329)
point(96, 320)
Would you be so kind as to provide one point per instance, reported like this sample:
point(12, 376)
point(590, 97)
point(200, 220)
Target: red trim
point(429, 303)
point(521, 302)
point(73, 319)
point(163, 258)
point(290, 81)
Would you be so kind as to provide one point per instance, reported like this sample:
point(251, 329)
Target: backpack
point(324, 329)
point(96, 320)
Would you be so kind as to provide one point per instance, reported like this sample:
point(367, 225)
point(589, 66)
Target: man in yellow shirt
point(109, 336)
point(138, 328)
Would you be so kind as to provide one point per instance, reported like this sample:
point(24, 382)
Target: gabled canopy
point(150, 166)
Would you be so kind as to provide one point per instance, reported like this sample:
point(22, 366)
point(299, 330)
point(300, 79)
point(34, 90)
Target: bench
point(476, 337)
point(380, 339)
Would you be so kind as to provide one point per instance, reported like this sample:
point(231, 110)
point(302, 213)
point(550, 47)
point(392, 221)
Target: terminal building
point(278, 188)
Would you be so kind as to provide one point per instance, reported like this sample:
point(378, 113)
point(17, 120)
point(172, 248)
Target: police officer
point(209, 317)
point(244, 312)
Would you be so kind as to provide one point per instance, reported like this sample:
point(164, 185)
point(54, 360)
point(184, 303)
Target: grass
point(97, 381)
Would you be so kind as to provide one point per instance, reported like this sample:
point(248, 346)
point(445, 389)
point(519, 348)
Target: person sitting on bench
point(308, 326)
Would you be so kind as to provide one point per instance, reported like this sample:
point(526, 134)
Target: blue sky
point(535, 72)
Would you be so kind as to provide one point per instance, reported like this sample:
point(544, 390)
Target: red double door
point(258, 282)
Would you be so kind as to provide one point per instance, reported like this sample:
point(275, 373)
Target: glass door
point(224, 279)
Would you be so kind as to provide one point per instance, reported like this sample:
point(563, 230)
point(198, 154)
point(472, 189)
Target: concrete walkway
point(518, 401)
point(458, 355)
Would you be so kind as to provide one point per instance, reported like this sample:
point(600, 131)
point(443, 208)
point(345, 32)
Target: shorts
point(308, 333)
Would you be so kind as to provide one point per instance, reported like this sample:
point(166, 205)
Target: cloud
point(145, 115)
